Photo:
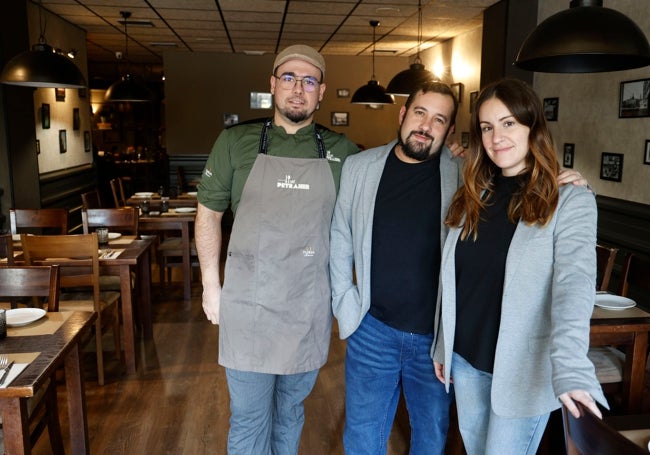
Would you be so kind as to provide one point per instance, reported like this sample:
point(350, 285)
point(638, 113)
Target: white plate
point(192, 193)
point(23, 316)
point(144, 194)
point(185, 210)
point(114, 235)
point(614, 302)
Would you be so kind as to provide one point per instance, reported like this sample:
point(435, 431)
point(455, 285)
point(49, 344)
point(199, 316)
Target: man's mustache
point(421, 133)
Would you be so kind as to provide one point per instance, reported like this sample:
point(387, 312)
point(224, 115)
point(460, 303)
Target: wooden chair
point(605, 258)
point(7, 248)
point(123, 220)
point(91, 200)
point(39, 221)
point(78, 258)
point(635, 275)
point(170, 255)
point(117, 187)
point(38, 282)
point(590, 435)
point(180, 178)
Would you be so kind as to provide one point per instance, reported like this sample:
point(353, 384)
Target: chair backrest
point(34, 281)
point(180, 178)
point(118, 192)
point(636, 274)
point(590, 435)
point(605, 258)
point(124, 220)
point(91, 200)
point(7, 248)
point(76, 255)
point(27, 220)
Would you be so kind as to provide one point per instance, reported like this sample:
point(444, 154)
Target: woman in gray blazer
point(518, 280)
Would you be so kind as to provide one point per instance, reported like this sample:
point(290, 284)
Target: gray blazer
point(351, 233)
point(548, 297)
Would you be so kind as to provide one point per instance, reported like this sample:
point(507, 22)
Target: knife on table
point(6, 373)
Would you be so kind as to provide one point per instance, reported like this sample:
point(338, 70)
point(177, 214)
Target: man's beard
point(417, 150)
point(293, 115)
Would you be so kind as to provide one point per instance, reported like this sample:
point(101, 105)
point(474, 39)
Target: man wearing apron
point(280, 177)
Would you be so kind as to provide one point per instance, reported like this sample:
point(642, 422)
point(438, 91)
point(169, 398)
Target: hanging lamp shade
point(404, 82)
point(586, 38)
point(372, 92)
point(128, 89)
point(42, 67)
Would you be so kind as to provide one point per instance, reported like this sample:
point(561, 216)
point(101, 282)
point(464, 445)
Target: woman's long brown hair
point(536, 198)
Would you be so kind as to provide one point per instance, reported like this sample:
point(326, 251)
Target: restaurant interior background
point(201, 88)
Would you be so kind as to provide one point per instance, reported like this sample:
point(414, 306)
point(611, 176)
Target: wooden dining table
point(182, 200)
point(175, 221)
point(49, 351)
point(134, 255)
point(628, 327)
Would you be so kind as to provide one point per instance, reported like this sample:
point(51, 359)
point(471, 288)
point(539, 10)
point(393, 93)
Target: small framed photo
point(38, 147)
point(230, 119)
point(633, 100)
point(86, 141)
point(458, 91)
point(551, 107)
point(45, 116)
point(63, 141)
point(472, 101)
point(340, 119)
point(611, 167)
point(261, 100)
point(464, 139)
point(646, 155)
point(76, 120)
point(59, 94)
point(343, 92)
point(567, 160)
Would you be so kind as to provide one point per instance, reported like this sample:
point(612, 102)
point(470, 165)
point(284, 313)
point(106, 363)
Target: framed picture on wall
point(38, 147)
point(261, 100)
point(59, 94)
point(340, 119)
point(342, 92)
point(633, 100)
point(551, 107)
point(567, 160)
point(472, 101)
point(86, 141)
point(458, 91)
point(45, 116)
point(611, 167)
point(63, 141)
point(230, 119)
point(646, 154)
point(76, 121)
point(464, 139)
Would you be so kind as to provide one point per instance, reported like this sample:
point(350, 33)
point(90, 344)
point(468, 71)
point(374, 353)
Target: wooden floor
point(177, 403)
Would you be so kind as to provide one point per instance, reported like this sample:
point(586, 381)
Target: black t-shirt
point(405, 262)
point(480, 271)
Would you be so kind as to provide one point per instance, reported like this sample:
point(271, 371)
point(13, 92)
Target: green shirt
point(236, 149)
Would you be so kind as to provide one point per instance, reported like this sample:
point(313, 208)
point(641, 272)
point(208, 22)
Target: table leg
point(187, 266)
point(637, 373)
point(127, 318)
point(144, 278)
point(76, 402)
point(15, 426)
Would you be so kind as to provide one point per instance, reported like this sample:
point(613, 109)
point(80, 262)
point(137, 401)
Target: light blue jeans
point(379, 362)
point(266, 411)
point(482, 430)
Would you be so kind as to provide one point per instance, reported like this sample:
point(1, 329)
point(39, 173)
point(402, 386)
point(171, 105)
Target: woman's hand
point(583, 397)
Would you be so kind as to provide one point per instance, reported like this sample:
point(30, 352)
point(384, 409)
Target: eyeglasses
point(288, 82)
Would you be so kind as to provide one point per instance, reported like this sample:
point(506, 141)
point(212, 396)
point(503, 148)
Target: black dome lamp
point(586, 38)
point(42, 67)
point(372, 93)
point(128, 88)
point(404, 82)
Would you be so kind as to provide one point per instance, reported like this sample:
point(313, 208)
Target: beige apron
point(275, 312)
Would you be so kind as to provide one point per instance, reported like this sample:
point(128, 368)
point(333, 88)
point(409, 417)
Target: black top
point(480, 271)
point(405, 262)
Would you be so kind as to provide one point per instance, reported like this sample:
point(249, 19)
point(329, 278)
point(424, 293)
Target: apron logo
point(331, 157)
point(308, 252)
point(207, 172)
point(290, 184)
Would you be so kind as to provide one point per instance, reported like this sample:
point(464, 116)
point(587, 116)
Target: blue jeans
point(482, 430)
point(379, 361)
point(266, 411)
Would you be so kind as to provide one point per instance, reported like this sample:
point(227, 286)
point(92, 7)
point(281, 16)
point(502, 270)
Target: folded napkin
point(22, 361)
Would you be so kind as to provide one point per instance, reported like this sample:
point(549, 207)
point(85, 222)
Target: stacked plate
point(614, 302)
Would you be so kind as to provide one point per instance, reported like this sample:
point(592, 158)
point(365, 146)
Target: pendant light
point(586, 38)
point(42, 67)
point(372, 93)
point(403, 83)
point(128, 88)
